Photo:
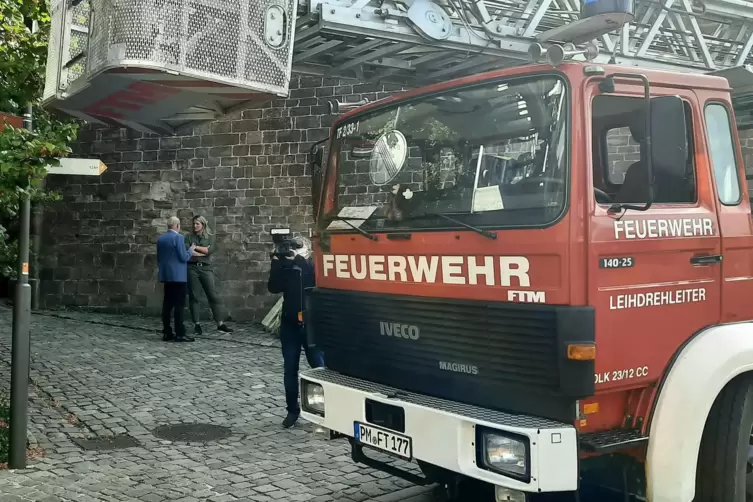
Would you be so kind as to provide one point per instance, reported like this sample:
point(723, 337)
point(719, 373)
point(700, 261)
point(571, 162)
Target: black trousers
point(293, 339)
point(174, 302)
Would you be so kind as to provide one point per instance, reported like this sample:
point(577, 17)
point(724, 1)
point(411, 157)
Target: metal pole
point(20, 352)
point(37, 224)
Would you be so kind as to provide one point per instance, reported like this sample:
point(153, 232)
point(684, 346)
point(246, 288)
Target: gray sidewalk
point(95, 378)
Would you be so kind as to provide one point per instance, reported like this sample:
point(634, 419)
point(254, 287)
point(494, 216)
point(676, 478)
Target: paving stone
point(92, 379)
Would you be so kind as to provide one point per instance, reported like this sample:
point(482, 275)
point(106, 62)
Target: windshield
point(490, 155)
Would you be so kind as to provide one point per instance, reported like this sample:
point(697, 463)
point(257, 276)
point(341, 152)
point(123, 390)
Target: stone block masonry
point(746, 145)
point(247, 173)
point(623, 151)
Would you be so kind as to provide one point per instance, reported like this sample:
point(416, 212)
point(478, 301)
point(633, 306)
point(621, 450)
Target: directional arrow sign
point(78, 167)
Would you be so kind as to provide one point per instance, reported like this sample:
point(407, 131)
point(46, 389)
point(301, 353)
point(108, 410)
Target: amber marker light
point(581, 352)
point(590, 408)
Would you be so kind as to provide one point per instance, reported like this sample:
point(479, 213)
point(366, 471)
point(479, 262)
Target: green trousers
point(201, 277)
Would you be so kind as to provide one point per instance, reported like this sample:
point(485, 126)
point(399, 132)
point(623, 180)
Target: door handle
point(706, 259)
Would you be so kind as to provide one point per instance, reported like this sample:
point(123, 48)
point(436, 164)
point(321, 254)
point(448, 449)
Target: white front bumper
point(444, 432)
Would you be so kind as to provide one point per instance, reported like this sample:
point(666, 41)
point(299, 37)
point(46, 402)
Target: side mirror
point(317, 173)
point(316, 161)
point(669, 145)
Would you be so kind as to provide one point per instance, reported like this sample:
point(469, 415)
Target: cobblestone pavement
point(100, 376)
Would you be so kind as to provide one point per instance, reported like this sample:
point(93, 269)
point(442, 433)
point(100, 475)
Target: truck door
point(654, 276)
point(728, 170)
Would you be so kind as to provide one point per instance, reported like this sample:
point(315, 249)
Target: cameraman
point(292, 273)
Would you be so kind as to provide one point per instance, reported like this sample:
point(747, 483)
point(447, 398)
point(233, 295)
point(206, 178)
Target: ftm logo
point(526, 296)
point(397, 330)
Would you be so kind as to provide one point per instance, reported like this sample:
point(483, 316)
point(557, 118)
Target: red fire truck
point(538, 273)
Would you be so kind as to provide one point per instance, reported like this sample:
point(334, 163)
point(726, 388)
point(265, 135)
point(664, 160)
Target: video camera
point(285, 243)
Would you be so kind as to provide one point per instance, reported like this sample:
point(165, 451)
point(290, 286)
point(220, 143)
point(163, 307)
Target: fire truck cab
point(535, 273)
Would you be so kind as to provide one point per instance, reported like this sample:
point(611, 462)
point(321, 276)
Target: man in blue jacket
point(172, 259)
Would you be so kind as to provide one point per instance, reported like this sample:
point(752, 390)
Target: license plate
point(384, 440)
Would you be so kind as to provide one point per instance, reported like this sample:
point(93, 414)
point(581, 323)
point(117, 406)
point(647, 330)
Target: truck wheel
point(725, 459)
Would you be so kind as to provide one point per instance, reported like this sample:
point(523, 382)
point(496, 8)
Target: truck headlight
point(505, 454)
point(313, 397)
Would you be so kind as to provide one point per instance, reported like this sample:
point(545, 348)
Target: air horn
point(556, 54)
point(336, 106)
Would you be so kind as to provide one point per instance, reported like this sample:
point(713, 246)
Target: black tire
point(723, 456)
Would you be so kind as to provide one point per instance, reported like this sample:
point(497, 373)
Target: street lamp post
point(20, 352)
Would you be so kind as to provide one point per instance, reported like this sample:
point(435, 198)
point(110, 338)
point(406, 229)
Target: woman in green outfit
point(201, 275)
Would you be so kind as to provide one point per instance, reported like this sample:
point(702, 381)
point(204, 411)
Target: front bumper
point(443, 433)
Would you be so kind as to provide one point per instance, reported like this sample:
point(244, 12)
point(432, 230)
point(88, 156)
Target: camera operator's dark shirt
point(291, 278)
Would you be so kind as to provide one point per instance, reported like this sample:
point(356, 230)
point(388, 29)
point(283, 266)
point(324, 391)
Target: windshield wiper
point(480, 231)
point(354, 227)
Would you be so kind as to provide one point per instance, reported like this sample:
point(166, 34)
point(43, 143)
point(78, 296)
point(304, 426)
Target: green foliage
point(23, 53)
point(24, 155)
point(4, 430)
point(429, 129)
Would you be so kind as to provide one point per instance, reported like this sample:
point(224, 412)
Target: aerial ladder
point(161, 66)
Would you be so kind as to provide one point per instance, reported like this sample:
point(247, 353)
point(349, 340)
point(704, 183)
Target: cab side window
point(722, 154)
point(620, 154)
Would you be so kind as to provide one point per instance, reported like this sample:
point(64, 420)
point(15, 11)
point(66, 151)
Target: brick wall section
point(246, 173)
point(623, 150)
point(746, 144)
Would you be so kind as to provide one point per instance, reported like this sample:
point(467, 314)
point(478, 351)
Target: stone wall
point(247, 173)
point(746, 144)
point(623, 150)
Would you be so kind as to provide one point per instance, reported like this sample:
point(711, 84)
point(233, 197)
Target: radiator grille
point(498, 355)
